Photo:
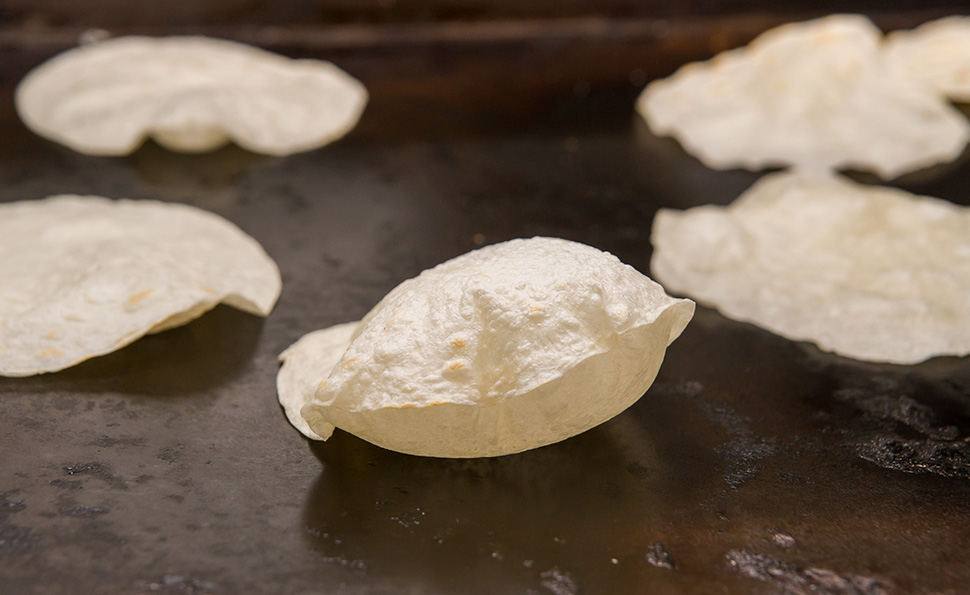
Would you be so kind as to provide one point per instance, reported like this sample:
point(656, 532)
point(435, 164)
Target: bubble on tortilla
point(936, 54)
point(190, 94)
point(504, 349)
point(814, 95)
point(868, 272)
point(82, 276)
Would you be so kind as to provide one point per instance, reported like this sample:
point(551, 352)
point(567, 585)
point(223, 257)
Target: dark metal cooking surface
point(754, 464)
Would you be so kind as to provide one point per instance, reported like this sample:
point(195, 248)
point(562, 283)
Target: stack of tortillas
point(872, 273)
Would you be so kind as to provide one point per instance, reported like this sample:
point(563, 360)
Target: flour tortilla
point(868, 272)
point(936, 54)
point(504, 349)
point(308, 362)
point(82, 276)
point(814, 95)
point(190, 94)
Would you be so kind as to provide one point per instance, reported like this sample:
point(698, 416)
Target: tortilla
point(813, 95)
point(935, 54)
point(82, 276)
point(190, 94)
point(868, 272)
point(504, 349)
point(308, 362)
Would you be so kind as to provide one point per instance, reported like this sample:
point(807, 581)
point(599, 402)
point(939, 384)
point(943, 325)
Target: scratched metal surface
point(754, 464)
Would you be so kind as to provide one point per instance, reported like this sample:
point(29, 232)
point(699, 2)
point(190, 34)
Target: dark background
point(754, 464)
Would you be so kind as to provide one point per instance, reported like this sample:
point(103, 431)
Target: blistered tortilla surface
point(506, 348)
point(814, 95)
point(868, 272)
point(190, 94)
point(82, 276)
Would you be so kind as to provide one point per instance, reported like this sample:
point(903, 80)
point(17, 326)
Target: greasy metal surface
point(753, 464)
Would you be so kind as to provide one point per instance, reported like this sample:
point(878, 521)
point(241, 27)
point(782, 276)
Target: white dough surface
point(82, 276)
point(813, 95)
point(868, 272)
point(191, 94)
point(506, 348)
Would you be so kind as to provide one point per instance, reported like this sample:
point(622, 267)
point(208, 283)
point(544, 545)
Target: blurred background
point(453, 58)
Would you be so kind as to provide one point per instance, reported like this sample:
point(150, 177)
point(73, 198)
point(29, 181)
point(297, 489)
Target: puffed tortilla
point(190, 94)
point(936, 54)
point(507, 348)
point(812, 95)
point(82, 276)
point(868, 272)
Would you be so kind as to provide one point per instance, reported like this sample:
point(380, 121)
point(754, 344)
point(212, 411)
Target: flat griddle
point(753, 465)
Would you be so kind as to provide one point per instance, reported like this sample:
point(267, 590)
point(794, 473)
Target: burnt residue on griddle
point(170, 454)
point(949, 458)
point(178, 585)
point(106, 441)
point(742, 454)
point(8, 506)
point(96, 469)
point(910, 423)
point(742, 451)
point(889, 403)
point(657, 555)
point(67, 484)
point(793, 579)
point(82, 512)
point(14, 539)
point(781, 538)
point(558, 582)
